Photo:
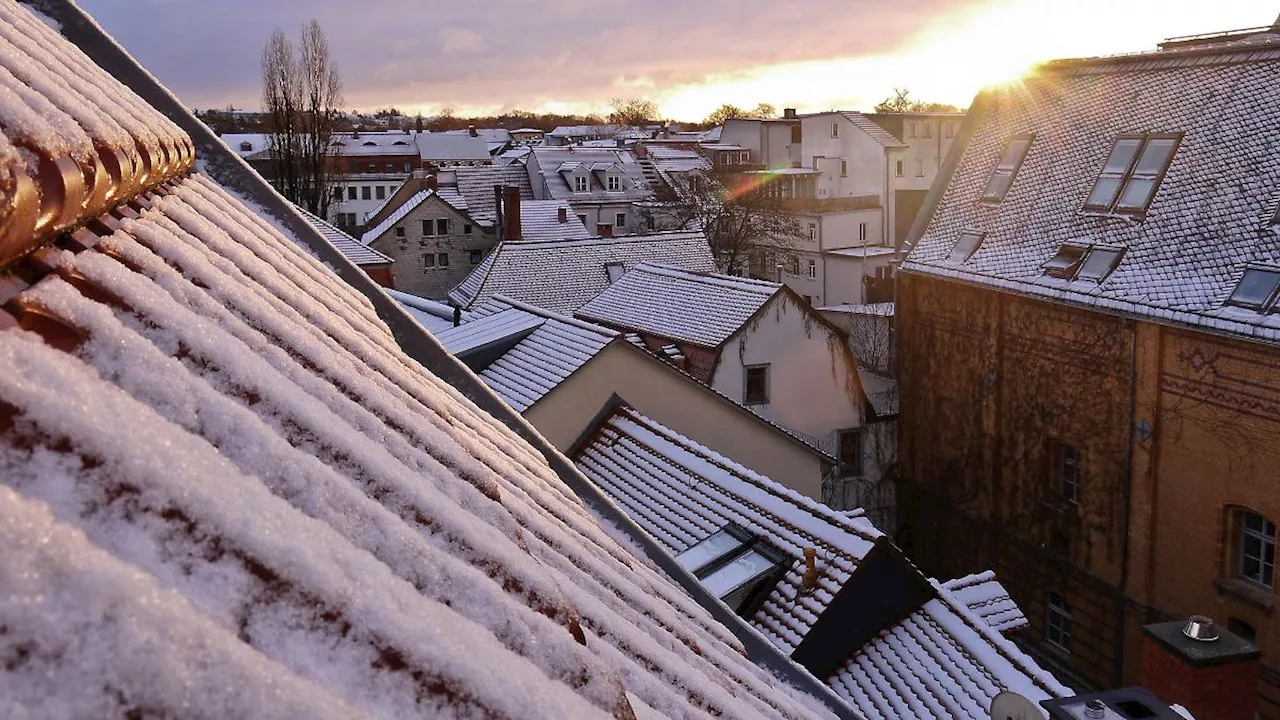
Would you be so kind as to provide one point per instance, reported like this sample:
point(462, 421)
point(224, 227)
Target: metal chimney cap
point(1201, 628)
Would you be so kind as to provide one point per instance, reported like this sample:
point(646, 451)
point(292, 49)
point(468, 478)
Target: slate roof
point(1209, 220)
point(445, 148)
point(475, 184)
point(877, 133)
point(546, 162)
point(545, 348)
point(701, 309)
point(399, 214)
point(226, 491)
point(940, 662)
point(347, 245)
point(561, 276)
point(540, 220)
point(667, 158)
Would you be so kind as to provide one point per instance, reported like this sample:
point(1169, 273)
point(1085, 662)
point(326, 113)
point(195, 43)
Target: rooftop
point(356, 251)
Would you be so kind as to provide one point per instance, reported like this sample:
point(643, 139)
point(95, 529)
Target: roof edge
point(959, 146)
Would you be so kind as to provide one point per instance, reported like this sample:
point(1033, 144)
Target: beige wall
point(410, 274)
point(682, 405)
point(864, 157)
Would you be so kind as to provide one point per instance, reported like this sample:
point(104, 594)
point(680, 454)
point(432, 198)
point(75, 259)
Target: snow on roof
point(541, 359)
point(540, 220)
point(865, 251)
point(432, 315)
point(476, 186)
point(227, 492)
point(399, 214)
point(884, 309)
point(347, 245)
point(1210, 217)
point(551, 163)
point(561, 276)
point(939, 662)
point(882, 392)
point(446, 148)
point(590, 130)
point(257, 142)
point(702, 309)
point(676, 159)
point(507, 325)
point(869, 126)
point(987, 598)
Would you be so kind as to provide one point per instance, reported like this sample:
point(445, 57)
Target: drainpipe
point(1117, 677)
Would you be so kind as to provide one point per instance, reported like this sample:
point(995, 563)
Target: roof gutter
point(220, 163)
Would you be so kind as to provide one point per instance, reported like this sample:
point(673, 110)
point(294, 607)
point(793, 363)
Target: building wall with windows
point(356, 197)
point(435, 247)
point(852, 162)
point(808, 268)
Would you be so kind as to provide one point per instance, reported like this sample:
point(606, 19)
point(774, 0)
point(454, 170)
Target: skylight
point(966, 246)
point(1132, 173)
point(1007, 169)
point(736, 581)
point(729, 540)
point(1099, 263)
point(735, 566)
point(1257, 289)
point(1067, 262)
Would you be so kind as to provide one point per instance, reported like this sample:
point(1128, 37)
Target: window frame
point(352, 192)
point(1065, 471)
point(835, 128)
point(862, 231)
point(613, 183)
point(1124, 178)
point(900, 169)
point(844, 167)
point(1243, 534)
point(476, 257)
point(428, 261)
point(380, 192)
point(442, 227)
point(747, 397)
point(1055, 269)
point(581, 183)
point(857, 467)
point(619, 220)
point(993, 198)
point(926, 130)
point(951, 258)
point(1266, 305)
point(812, 268)
point(1111, 267)
point(442, 260)
point(1057, 621)
point(399, 231)
point(429, 228)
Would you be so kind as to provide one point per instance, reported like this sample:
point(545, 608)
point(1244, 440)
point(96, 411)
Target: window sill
point(1259, 597)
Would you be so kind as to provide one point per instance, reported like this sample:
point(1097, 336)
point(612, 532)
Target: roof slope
point(702, 309)
point(540, 220)
point(358, 253)
point(942, 661)
point(869, 126)
point(235, 496)
point(987, 598)
point(475, 184)
point(1210, 217)
point(561, 276)
point(550, 161)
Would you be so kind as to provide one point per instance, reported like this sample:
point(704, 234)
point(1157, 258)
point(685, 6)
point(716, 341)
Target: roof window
point(614, 270)
point(1257, 290)
point(1132, 174)
point(1099, 263)
point(735, 566)
point(1007, 169)
point(966, 246)
point(1067, 262)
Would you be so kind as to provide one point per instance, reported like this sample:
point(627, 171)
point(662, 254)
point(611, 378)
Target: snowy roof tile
point(553, 163)
point(985, 597)
point(359, 253)
point(409, 206)
point(939, 662)
point(869, 126)
point(226, 491)
point(702, 309)
point(445, 148)
point(476, 186)
point(561, 276)
point(540, 220)
point(432, 315)
point(1210, 217)
point(509, 325)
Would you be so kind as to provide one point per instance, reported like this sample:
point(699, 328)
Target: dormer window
point(1257, 290)
point(246, 146)
point(580, 183)
point(966, 246)
point(614, 271)
point(1132, 174)
point(1099, 263)
point(613, 183)
point(735, 566)
point(1007, 169)
point(1067, 262)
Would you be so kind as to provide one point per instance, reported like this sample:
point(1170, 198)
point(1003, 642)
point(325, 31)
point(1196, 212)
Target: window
point(749, 566)
point(442, 227)
point(580, 183)
point(428, 260)
point(613, 271)
point(966, 246)
point(1015, 151)
point(862, 231)
point(443, 260)
point(1066, 263)
point(614, 183)
point(476, 257)
point(650, 222)
point(719, 545)
point(1057, 622)
point(919, 168)
point(911, 129)
point(337, 193)
point(735, 566)
point(812, 269)
point(351, 192)
point(620, 220)
point(408, 166)
point(380, 192)
point(366, 193)
point(835, 129)
point(950, 129)
point(796, 136)
point(926, 130)
point(1099, 263)
point(1132, 173)
point(844, 168)
point(400, 231)
point(900, 169)
point(1065, 470)
point(1257, 289)
point(755, 382)
point(1257, 551)
point(850, 452)
point(813, 231)
point(816, 158)
point(373, 166)
point(428, 227)
point(391, 165)
point(466, 229)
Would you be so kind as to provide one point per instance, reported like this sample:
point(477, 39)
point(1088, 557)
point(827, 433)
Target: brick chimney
point(1211, 672)
point(562, 214)
point(604, 230)
point(789, 113)
point(511, 213)
point(433, 182)
point(471, 130)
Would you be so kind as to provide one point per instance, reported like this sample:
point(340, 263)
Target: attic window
point(734, 566)
point(614, 271)
point(705, 554)
point(1067, 262)
point(613, 183)
point(580, 183)
point(966, 246)
point(1007, 169)
point(369, 143)
point(1257, 289)
point(1099, 263)
point(1132, 173)
point(737, 581)
point(246, 145)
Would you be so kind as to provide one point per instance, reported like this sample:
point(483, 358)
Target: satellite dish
point(1012, 706)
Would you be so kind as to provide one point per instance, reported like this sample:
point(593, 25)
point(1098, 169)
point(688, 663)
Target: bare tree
point(632, 111)
point(730, 112)
point(902, 102)
point(281, 99)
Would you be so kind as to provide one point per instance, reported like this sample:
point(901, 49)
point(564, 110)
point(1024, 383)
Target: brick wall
point(1226, 691)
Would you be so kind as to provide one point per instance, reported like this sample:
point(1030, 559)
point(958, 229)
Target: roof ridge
point(558, 317)
point(743, 283)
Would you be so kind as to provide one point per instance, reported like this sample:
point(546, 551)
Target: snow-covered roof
point(392, 142)
point(396, 216)
point(540, 220)
point(476, 186)
point(698, 308)
point(881, 391)
point(226, 491)
point(544, 348)
point(358, 252)
point(985, 597)
point(862, 251)
point(579, 131)
point(941, 661)
point(430, 314)
point(554, 163)
point(561, 276)
point(869, 126)
point(446, 148)
point(1211, 216)
point(668, 158)
point(257, 142)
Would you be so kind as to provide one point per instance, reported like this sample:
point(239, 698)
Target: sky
point(689, 57)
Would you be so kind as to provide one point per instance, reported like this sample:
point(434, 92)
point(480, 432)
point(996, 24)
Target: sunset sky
point(690, 57)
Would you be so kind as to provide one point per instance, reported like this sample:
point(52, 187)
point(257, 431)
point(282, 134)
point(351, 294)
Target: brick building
point(1090, 357)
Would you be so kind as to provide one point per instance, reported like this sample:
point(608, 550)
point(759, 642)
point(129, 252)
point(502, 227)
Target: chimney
point(471, 130)
point(457, 316)
point(497, 213)
point(789, 113)
point(511, 213)
point(604, 230)
point(1211, 672)
point(562, 214)
point(433, 182)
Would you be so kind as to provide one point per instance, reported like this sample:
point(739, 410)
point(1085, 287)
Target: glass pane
point(708, 551)
point(1155, 157)
point(738, 572)
point(1104, 193)
point(1251, 568)
point(999, 184)
point(1251, 521)
point(964, 247)
point(1099, 263)
point(1122, 155)
point(1014, 154)
point(1255, 289)
point(1137, 194)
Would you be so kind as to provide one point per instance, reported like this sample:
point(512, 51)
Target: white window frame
point(581, 183)
point(1266, 545)
point(1057, 622)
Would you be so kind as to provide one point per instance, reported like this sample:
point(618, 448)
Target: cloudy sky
point(688, 55)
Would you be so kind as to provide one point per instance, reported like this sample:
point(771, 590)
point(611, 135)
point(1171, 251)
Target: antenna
point(1012, 706)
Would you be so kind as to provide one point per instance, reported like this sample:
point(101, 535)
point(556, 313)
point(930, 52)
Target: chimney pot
point(471, 130)
point(562, 214)
point(1200, 628)
point(789, 113)
point(1211, 672)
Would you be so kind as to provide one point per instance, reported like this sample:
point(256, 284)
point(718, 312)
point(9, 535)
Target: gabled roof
point(941, 661)
point(226, 489)
point(698, 308)
point(347, 245)
point(1209, 220)
point(396, 216)
point(867, 125)
point(561, 276)
point(554, 163)
point(540, 220)
point(447, 148)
